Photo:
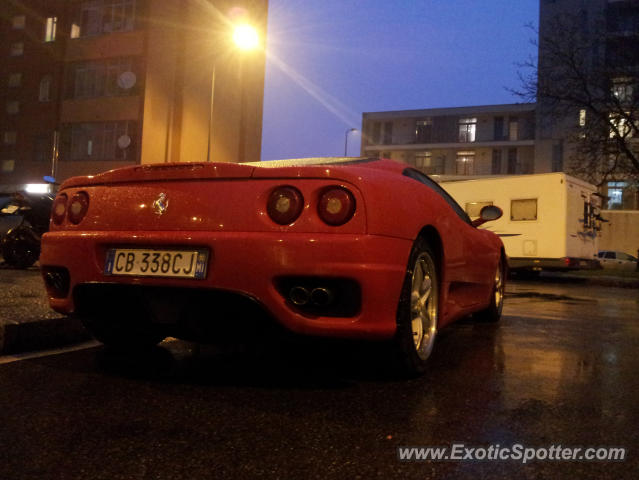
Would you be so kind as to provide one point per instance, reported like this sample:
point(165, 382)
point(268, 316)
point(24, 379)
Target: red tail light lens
point(285, 205)
point(78, 207)
point(336, 206)
point(59, 208)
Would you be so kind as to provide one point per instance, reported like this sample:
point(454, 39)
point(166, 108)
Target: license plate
point(157, 262)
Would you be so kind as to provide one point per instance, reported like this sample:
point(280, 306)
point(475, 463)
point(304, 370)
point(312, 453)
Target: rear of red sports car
point(144, 252)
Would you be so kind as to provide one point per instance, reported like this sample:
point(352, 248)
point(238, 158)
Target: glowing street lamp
point(245, 37)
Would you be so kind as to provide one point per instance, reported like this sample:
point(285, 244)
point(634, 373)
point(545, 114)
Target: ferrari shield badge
point(160, 204)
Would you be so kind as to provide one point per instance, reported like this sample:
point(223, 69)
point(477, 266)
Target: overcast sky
point(331, 60)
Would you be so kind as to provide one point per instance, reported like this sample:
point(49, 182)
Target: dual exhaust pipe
point(319, 296)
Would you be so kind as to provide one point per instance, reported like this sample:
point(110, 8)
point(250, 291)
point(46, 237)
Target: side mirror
point(488, 214)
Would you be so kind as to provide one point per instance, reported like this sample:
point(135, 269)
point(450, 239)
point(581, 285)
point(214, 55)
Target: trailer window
point(525, 209)
point(473, 208)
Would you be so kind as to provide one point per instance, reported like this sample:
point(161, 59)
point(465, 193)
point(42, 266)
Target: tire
point(492, 314)
point(418, 310)
point(18, 248)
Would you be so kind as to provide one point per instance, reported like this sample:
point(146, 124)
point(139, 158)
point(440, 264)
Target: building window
point(428, 164)
point(8, 166)
point(75, 30)
point(582, 117)
point(615, 195)
point(15, 79)
point(45, 88)
point(50, 30)
point(465, 163)
point(424, 130)
point(13, 107)
point(622, 89)
point(9, 138)
point(17, 49)
point(105, 16)
point(376, 133)
point(513, 129)
point(101, 78)
point(42, 147)
point(496, 164)
point(512, 161)
point(499, 128)
point(620, 127)
point(558, 157)
point(388, 133)
point(473, 209)
point(102, 141)
point(18, 22)
point(467, 129)
point(521, 210)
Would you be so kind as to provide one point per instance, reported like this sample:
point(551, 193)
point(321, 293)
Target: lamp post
point(245, 38)
point(346, 140)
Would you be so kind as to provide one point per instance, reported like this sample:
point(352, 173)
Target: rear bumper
point(254, 264)
point(553, 264)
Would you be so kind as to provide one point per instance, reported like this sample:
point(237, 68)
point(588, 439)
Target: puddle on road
point(549, 297)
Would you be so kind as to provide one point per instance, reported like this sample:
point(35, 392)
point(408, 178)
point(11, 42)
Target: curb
point(40, 334)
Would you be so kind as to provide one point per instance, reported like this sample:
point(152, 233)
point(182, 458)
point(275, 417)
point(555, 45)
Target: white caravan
point(550, 220)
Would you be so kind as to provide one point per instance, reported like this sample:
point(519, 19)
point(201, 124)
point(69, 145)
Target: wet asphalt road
point(561, 368)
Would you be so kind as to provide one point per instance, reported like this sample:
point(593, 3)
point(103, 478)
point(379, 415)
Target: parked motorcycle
point(20, 246)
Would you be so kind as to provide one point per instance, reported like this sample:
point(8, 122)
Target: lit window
point(15, 79)
point(45, 88)
point(428, 164)
point(622, 89)
point(9, 138)
point(619, 126)
point(17, 49)
point(525, 209)
point(18, 22)
point(513, 129)
point(465, 163)
point(615, 195)
point(75, 30)
point(467, 129)
point(474, 208)
point(582, 117)
point(8, 166)
point(13, 107)
point(423, 130)
point(50, 31)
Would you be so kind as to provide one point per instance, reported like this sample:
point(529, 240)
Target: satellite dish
point(124, 141)
point(126, 80)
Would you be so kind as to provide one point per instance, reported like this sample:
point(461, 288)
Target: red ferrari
point(349, 248)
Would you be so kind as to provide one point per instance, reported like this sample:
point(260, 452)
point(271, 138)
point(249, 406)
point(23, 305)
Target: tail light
point(78, 207)
point(285, 205)
point(59, 208)
point(336, 206)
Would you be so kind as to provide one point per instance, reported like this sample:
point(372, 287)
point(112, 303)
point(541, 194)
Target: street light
point(245, 38)
point(346, 140)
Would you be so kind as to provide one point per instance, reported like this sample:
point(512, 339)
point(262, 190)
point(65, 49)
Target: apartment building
point(91, 85)
point(465, 141)
point(608, 30)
